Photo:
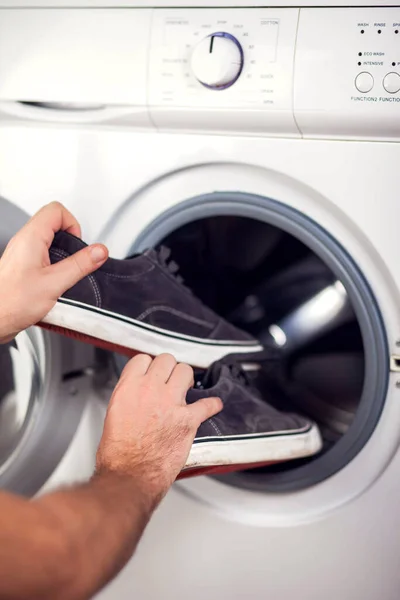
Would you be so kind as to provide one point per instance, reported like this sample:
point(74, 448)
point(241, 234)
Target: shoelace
point(237, 373)
point(163, 258)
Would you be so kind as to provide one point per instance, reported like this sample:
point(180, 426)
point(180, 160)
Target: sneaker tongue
point(211, 377)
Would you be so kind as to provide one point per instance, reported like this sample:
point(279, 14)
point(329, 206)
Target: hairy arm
point(66, 545)
point(69, 544)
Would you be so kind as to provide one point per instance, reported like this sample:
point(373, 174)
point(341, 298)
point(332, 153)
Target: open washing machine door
point(262, 258)
point(41, 393)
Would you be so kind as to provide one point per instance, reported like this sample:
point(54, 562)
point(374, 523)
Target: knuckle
point(54, 205)
point(186, 369)
point(167, 356)
point(140, 358)
point(185, 373)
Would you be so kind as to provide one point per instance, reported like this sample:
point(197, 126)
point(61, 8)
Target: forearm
point(68, 544)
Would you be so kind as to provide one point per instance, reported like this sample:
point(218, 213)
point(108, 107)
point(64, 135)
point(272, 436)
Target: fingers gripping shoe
point(140, 304)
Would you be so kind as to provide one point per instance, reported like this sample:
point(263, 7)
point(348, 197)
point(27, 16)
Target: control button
point(391, 83)
point(217, 60)
point(364, 82)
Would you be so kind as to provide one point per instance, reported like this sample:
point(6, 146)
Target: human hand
point(29, 284)
point(149, 429)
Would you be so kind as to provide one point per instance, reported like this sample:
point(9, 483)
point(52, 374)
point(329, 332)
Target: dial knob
point(217, 60)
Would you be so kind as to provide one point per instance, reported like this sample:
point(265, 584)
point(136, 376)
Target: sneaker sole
point(223, 469)
point(232, 453)
point(111, 331)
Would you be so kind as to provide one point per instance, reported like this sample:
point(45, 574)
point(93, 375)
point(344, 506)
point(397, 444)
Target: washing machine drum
point(273, 272)
point(269, 284)
point(40, 408)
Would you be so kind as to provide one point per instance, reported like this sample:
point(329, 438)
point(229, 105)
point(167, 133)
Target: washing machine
point(261, 145)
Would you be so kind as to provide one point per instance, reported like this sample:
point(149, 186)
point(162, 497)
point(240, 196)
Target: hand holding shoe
point(149, 429)
point(29, 284)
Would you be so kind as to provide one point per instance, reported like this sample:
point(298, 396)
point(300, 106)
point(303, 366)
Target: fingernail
point(98, 253)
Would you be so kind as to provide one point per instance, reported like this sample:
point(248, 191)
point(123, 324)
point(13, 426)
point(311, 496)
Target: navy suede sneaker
point(248, 432)
point(140, 304)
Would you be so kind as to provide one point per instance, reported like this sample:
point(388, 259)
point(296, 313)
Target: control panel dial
point(217, 60)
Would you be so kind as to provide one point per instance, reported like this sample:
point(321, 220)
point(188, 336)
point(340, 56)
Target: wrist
point(130, 486)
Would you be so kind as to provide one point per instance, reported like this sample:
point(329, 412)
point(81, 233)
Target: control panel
point(347, 72)
point(312, 71)
point(288, 71)
point(225, 60)
point(380, 56)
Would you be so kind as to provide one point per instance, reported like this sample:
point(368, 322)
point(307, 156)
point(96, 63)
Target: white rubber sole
point(128, 333)
point(254, 450)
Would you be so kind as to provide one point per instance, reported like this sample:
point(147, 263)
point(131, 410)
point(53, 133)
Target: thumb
point(69, 271)
point(203, 409)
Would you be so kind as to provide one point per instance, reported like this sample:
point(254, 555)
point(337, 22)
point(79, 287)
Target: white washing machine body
point(302, 145)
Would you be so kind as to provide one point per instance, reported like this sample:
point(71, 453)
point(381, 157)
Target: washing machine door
point(262, 258)
point(40, 400)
